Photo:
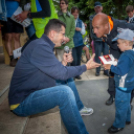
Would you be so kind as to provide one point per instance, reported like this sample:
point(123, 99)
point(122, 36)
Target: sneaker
point(86, 111)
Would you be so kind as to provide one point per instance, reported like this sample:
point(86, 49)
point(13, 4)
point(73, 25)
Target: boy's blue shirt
point(123, 66)
point(123, 71)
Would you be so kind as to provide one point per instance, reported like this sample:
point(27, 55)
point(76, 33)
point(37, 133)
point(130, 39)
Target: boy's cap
point(125, 34)
point(97, 4)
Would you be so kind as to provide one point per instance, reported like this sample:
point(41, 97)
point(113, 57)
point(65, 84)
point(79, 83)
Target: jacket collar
point(44, 37)
point(60, 13)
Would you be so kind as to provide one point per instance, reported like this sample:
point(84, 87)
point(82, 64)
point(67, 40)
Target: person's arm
point(45, 12)
point(125, 25)
point(44, 59)
point(72, 29)
point(123, 66)
point(83, 29)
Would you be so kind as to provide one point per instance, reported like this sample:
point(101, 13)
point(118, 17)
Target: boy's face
point(122, 45)
point(130, 14)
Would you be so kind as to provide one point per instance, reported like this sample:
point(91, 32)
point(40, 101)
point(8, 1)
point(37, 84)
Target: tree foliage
point(115, 8)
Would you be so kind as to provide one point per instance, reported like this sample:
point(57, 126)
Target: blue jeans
point(76, 52)
point(45, 99)
point(70, 82)
point(100, 47)
point(123, 108)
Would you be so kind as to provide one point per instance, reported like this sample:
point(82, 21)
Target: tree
point(115, 8)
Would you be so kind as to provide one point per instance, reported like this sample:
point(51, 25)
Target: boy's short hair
point(129, 8)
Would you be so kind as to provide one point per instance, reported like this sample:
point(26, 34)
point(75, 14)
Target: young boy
point(124, 80)
point(130, 13)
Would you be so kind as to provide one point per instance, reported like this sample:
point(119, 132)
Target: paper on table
point(25, 23)
point(108, 59)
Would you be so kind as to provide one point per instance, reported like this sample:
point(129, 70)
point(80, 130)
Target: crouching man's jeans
point(45, 99)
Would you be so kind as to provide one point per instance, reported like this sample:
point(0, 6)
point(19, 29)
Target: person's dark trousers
point(30, 30)
point(76, 53)
point(111, 87)
point(100, 47)
point(31, 39)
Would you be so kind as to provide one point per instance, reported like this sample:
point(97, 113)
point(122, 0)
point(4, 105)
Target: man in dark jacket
point(105, 27)
point(33, 86)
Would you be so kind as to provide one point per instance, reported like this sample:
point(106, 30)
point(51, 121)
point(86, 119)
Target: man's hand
point(107, 66)
point(91, 64)
point(78, 29)
point(66, 40)
point(67, 58)
point(21, 17)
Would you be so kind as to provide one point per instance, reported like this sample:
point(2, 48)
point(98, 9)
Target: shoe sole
point(88, 113)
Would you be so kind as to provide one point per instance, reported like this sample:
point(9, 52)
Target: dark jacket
point(131, 21)
point(113, 33)
point(37, 69)
point(124, 71)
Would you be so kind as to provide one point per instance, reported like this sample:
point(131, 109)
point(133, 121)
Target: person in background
point(77, 38)
point(26, 6)
point(11, 30)
point(86, 46)
point(66, 17)
point(99, 45)
point(41, 12)
point(130, 13)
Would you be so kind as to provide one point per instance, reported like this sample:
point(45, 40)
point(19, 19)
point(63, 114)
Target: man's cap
point(125, 34)
point(97, 4)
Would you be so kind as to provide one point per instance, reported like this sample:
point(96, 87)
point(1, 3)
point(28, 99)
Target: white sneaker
point(86, 111)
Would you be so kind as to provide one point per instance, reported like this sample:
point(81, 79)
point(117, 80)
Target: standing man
point(106, 27)
point(99, 45)
point(66, 17)
point(33, 86)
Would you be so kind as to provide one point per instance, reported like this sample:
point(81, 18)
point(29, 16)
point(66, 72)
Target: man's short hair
point(54, 24)
point(129, 8)
point(66, 1)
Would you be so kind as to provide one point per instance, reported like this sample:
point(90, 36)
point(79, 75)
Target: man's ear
point(52, 33)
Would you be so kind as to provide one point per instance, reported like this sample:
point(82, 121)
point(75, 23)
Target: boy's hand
point(107, 66)
point(115, 60)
